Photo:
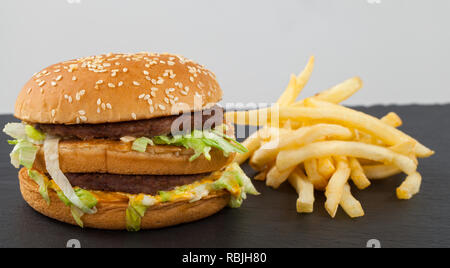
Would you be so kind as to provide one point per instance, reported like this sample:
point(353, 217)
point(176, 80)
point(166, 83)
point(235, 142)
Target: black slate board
point(270, 220)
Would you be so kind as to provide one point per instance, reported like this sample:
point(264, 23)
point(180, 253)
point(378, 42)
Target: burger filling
point(82, 191)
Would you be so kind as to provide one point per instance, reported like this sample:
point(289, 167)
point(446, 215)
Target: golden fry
point(305, 190)
point(319, 181)
point(296, 85)
point(392, 119)
point(335, 187)
point(268, 152)
point(410, 186)
point(326, 167)
point(376, 172)
point(350, 205)
point(357, 175)
point(290, 158)
point(275, 177)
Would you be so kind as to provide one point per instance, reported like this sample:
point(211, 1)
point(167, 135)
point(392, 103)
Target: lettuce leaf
point(23, 153)
point(25, 149)
point(140, 144)
point(86, 197)
point(203, 141)
point(235, 181)
point(42, 182)
point(135, 211)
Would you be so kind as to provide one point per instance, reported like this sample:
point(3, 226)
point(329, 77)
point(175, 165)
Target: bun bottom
point(111, 215)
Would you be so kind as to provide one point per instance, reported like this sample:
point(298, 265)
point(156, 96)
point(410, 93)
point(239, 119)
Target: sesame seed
point(146, 72)
point(98, 110)
point(41, 83)
point(120, 84)
point(148, 78)
point(58, 78)
point(191, 78)
point(141, 96)
point(153, 94)
point(111, 85)
point(150, 101)
point(152, 109)
point(171, 63)
point(53, 112)
point(113, 74)
point(83, 118)
point(78, 120)
point(136, 83)
point(53, 83)
point(99, 101)
point(133, 115)
point(166, 100)
point(29, 90)
point(162, 107)
point(183, 92)
point(70, 99)
point(99, 82)
point(125, 70)
point(74, 78)
point(108, 105)
point(103, 106)
point(81, 112)
point(57, 71)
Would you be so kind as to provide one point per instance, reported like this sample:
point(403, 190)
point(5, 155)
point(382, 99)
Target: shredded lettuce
point(237, 183)
point(77, 214)
point(52, 165)
point(24, 153)
point(20, 131)
point(25, 149)
point(42, 181)
point(86, 197)
point(202, 142)
point(140, 144)
point(134, 213)
point(34, 134)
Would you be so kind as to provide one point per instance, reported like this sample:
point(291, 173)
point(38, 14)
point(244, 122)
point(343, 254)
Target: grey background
point(399, 47)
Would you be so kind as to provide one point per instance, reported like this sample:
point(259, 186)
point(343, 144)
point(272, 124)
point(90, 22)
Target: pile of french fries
point(318, 144)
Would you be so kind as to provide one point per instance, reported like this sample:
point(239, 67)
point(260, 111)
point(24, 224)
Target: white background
point(400, 48)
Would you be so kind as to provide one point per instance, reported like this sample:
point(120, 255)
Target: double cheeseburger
point(126, 141)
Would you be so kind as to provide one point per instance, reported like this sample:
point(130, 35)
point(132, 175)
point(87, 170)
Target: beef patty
point(184, 123)
point(132, 184)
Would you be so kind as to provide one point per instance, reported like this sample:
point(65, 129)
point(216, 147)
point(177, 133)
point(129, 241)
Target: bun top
point(115, 88)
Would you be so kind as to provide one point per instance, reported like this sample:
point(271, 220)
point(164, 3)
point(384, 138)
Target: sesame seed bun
point(111, 214)
point(116, 157)
point(116, 87)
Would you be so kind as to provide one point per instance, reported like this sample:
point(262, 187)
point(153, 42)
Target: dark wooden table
point(270, 220)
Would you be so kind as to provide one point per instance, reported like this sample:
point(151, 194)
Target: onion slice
point(51, 155)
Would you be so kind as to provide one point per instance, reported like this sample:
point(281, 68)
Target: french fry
point(341, 92)
point(376, 172)
point(357, 174)
point(350, 205)
point(287, 159)
point(253, 142)
point(305, 190)
point(392, 119)
point(296, 85)
point(326, 167)
point(340, 115)
point(406, 148)
point(335, 187)
point(275, 177)
point(319, 181)
point(261, 176)
point(268, 152)
point(410, 186)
